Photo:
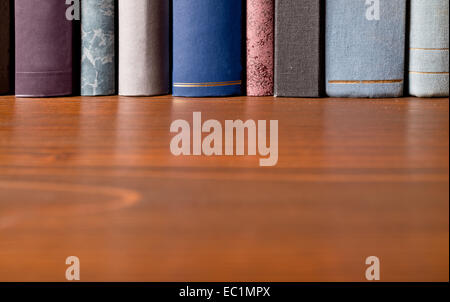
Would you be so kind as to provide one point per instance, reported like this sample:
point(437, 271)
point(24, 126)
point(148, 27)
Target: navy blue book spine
point(207, 46)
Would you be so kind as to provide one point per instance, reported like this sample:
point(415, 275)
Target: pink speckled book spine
point(260, 47)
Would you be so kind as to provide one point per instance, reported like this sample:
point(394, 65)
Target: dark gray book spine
point(298, 48)
point(4, 46)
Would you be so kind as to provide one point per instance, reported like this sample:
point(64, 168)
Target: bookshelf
point(355, 177)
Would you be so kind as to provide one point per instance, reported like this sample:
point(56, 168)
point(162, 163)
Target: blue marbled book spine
point(98, 54)
point(365, 48)
point(429, 47)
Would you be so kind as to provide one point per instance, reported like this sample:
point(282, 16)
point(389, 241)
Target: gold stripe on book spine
point(382, 81)
point(439, 49)
point(367, 82)
point(426, 72)
point(208, 84)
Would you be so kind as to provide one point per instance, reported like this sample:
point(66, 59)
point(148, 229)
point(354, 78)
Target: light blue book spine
point(365, 48)
point(98, 55)
point(429, 48)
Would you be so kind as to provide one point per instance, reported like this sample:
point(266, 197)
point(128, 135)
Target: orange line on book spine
point(344, 82)
point(212, 84)
point(418, 48)
point(208, 83)
point(424, 72)
point(367, 82)
point(382, 81)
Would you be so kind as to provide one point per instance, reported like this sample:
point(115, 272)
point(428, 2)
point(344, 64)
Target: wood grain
point(94, 178)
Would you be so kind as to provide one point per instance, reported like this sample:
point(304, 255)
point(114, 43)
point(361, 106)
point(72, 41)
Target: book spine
point(97, 48)
point(365, 48)
point(43, 48)
point(144, 47)
point(260, 47)
point(5, 46)
point(429, 48)
point(298, 50)
point(207, 54)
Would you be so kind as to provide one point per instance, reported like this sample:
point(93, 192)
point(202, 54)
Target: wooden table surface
point(95, 178)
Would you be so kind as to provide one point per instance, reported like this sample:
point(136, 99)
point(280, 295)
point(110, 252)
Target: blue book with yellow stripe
point(207, 42)
point(365, 48)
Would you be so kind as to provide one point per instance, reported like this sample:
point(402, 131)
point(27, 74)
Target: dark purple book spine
point(43, 48)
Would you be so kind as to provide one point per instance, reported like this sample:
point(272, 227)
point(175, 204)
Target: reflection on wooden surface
point(94, 178)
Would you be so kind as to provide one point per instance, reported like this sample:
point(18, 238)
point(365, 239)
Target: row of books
point(197, 48)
